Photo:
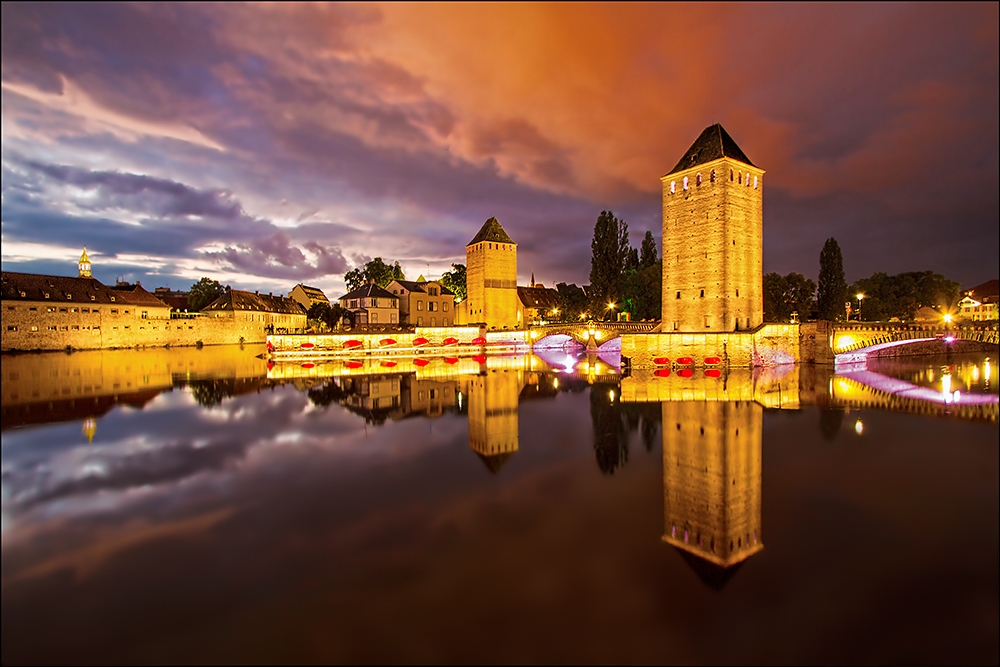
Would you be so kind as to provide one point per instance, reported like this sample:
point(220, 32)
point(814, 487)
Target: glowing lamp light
point(686, 372)
point(387, 341)
point(450, 341)
point(947, 318)
point(354, 364)
point(482, 341)
point(420, 341)
point(450, 360)
point(532, 333)
point(713, 373)
point(479, 358)
point(388, 364)
point(662, 372)
point(845, 341)
point(611, 395)
point(949, 339)
point(306, 346)
point(308, 365)
point(352, 343)
point(684, 361)
point(859, 427)
point(421, 362)
point(661, 361)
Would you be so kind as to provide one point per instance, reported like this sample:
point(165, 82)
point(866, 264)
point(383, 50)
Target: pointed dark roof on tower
point(491, 231)
point(713, 143)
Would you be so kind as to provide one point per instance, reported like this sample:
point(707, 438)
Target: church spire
point(84, 264)
point(532, 278)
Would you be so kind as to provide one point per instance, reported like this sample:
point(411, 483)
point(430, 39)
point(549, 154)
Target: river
point(181, 506)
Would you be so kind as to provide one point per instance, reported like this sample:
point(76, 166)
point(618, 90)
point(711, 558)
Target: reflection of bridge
point(589, 333)
point(862, 388)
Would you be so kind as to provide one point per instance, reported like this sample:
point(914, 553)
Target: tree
point(328, 314)
point(647, 253)
point(901, 296)
point(455, 280)
point(204, 292)
point(784, 295)
point(641, 292)
point(609, 257)
point(375, 270)
point(832, 294)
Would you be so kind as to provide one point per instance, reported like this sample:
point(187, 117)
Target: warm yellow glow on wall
point(844, 341)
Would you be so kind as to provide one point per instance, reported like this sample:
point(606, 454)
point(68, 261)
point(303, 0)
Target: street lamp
point(860, 297)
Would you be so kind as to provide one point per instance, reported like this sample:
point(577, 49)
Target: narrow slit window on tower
point(697, 180)
point(737, 292)
point(739, 178)
point(685, 182)
point(678, 295)
point(754, 182)
point(712, 177)
point(673, 187)
point(703, 294)
point(748, 179)
point(730, 174)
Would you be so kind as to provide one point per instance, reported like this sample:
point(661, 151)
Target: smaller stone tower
point(713, 238)
point(84, 265)
point(491, 277)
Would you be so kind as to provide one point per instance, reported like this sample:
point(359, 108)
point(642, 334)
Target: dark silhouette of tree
point(642, 292)
point(327, 394)
point(609, 258)
point(208, 393)
point(784, 295)
point(647, 252)
point(455, 280)
point(610, 428)
point(832, 293)
point(829, 422)
point(329, 314)
point(204, 292)
point(900, 296)
point(376, 270)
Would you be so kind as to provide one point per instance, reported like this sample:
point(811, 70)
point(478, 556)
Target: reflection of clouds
point(182, 449)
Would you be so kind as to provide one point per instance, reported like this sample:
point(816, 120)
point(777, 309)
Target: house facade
point(979, 304)
point(370, 304)
point(424, 303)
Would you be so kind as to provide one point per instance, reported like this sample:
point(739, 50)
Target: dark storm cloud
point(876, 123)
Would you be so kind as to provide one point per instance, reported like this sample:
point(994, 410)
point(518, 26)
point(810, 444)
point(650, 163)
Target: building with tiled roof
point(980, 303)
point(308, 296)
point(491, 279)
point(371, 304)
point(537, 303)
point(276, 314)
point(424, 303)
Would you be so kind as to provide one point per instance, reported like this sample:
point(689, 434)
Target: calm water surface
point(197, 506)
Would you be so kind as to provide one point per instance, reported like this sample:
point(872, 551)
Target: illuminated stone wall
point(712, 479)
point(769, 345)
point(47, 326)
point(491, 284)
point(712, 248)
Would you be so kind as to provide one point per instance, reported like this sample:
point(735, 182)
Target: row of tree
point(884, 297)
point(623, 277)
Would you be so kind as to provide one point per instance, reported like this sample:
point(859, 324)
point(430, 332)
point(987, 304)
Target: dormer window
point(698, 179)
point(46, 295)
point(69, 296)
point(112, 298)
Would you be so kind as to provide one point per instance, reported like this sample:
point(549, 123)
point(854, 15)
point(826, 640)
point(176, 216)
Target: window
point(420, 305)
point(126, 312)
point(433, 291)
point(63, 328)
point(50, 309)
point(678, 295)
point(374, 317)
point(433, 321)
point(72, 310)
point(432, 306)
point(34, 328)
point(85, 310)
point(703, 293)
point(114, 311)
point(697, 180)
point(69, 296)
point(12, 308)
point(712, 177)
point(420, 321)
point(145, 314)
point(754, 182)
point(444, 306)
point(392, 318)
point(75, 327)
point(444, 322)
point(685, 182)
point(46, 295)
point(52, 328)
point(11, 327)
point(748, 178)
point(33, 309)
point(93, 298)
point(112, 298)
point(673, 187)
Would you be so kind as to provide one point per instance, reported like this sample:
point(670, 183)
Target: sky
point(270, 144)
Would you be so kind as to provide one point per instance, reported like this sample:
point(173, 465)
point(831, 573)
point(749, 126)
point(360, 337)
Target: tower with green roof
point(491, 278)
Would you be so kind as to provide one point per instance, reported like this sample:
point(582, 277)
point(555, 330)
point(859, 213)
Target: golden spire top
point(84, 264)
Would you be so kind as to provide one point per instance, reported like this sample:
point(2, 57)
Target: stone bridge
point(588, 333)
point(855, 343)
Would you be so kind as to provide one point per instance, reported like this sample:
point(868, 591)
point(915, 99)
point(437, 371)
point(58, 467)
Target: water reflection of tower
point(493, 416)
point(712, 484)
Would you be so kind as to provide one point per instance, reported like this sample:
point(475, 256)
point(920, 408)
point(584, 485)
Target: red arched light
point(420, 341)
point(451, 360)
point(685, 372)
point(479, 341)
point(479, 358)
point(354, 364)
point(388, 364)
point(711, 361)
point(308, 365)
point(713, 373)
point(421, 362)
point(306, 346)
point(685, 361)
point(661, 361)
point(450, 341)
point(662, 372)
point(352, 343)
point(387, 341)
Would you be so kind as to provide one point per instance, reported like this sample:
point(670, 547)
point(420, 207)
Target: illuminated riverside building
point(493, 397)
point(713, 238)
point(491, 279)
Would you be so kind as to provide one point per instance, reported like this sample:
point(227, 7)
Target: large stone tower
point(491, 277)
point(713, 238)
point(493, 427)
